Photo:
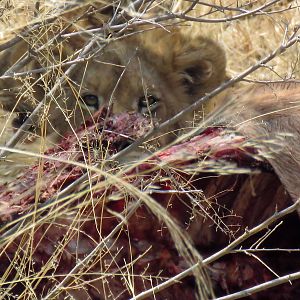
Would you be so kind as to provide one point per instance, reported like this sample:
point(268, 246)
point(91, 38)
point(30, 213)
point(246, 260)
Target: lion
point(155, 71)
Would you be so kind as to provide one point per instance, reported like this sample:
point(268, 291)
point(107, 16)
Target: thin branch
point(223, 20)
point(192, 6)
point(11, 42)
point(128, 25)
point(243, 10)
point(281, 49)
point(171, 16)
point(17, 66)
point(70, 188)
point(260, 260)
point(10, 75)
point(52, 294)
point(29, 29)
point(134, 23)
point(272, 81)
point(58, 38)
point(223, 252)
point(261, 287)
point(223, 8)
point(11, 72)
point(264, 250)
point(35, 114)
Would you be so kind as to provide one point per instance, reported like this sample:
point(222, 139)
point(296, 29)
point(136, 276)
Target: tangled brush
point(121, 230)
point(206, 218)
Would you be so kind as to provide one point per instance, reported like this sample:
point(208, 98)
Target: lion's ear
point(195, 72)
point(200, 67)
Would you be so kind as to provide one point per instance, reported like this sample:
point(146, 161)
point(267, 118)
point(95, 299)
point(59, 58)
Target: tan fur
point(164, 64)
point(176, 70)
point(270, 114)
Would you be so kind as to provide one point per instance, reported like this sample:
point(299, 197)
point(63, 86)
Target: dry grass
point(245, 40)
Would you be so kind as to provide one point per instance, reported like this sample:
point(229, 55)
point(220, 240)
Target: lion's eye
point(147, 105)
point(91, 101)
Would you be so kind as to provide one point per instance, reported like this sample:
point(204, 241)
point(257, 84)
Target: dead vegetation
point(260, 39)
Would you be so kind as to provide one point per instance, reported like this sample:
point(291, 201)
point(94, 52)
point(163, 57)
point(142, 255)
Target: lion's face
point(156, 73)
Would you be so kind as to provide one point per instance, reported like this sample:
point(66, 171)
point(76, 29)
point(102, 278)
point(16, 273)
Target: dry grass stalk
point(262, 34)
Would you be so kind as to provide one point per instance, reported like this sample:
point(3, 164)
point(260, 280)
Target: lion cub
point(155, 72)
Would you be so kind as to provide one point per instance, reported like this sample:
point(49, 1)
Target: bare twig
point(34, 115)
point(265, 250)
point(29, 29)
point(282, 48)
point(223, 8)
point(223, 252)
point(242, 9)
point(70, 188)
point(261, 287)
point(192, 6)
point(222, 20)
point(11, 72)
point(12, 42)
point(170, 16)
point(93, 253)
